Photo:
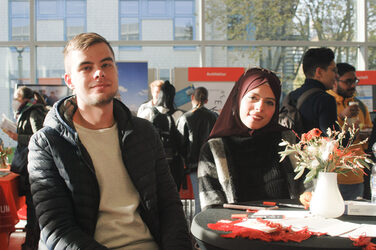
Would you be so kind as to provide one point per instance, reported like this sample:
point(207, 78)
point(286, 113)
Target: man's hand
point(349, 112)
point(305, 199)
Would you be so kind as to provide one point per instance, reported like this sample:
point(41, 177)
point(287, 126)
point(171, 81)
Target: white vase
point(326, 200)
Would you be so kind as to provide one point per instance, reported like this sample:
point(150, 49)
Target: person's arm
point(182, 127)
point(327, 109)
point(36, 122)
point(296, 187)
point(210, 190)
point(53, 200)
point(173, 226)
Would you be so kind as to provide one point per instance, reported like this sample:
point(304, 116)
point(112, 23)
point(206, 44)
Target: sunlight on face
point(257, 107)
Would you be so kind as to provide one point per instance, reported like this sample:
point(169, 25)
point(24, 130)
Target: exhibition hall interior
point(190, 43)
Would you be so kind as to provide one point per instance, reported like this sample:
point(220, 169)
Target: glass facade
point(171, 34)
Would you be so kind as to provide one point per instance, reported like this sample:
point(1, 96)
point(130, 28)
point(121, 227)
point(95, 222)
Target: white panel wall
point(102, 18)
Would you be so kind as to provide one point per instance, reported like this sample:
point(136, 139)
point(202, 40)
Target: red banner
point(366, 77)
point(214, 74)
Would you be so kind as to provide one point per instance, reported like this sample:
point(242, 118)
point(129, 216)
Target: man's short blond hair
point(156, 83)
point(83, 41)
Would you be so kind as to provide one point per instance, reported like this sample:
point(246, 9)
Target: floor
point(17, 237)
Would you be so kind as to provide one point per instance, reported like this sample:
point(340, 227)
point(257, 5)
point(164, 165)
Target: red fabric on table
point(280, 234)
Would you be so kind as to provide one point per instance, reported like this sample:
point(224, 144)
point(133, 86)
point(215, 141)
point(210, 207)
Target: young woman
point(30, 112)
point(240, 161)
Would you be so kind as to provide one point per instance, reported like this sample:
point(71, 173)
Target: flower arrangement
point(327, 154)
point(4, 153)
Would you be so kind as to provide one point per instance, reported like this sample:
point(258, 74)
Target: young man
point(195, 127)
point(351, 184)
point(319, 109)
point(99, 176)
point(155, 88)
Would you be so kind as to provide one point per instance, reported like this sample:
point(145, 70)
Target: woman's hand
point(305, 199)
point(12, 135)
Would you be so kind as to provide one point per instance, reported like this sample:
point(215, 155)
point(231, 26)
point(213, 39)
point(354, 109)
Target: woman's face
point(257, 107)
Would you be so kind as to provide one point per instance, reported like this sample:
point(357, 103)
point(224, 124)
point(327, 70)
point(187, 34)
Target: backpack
point(165, 125)
point(289, 115)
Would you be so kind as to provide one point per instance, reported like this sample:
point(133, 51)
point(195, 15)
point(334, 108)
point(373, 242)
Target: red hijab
point(229, 123)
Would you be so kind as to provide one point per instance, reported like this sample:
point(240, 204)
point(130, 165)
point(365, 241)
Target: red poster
point(366, 77)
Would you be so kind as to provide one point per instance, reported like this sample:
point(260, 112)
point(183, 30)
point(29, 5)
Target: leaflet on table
point(299, 220)
point(364, 230)
point(365, 208)
point(8, 124)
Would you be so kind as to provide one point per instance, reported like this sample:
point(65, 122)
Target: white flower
point(314, 164)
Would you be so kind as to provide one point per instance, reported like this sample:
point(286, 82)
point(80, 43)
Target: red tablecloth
point(10, 202)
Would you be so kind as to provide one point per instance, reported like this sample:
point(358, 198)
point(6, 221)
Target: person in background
point(195, 127)
point(30, 109)
point(155, 87)
point(348, 106)
point(240, 161)
point(52, 98)
point(319, 110)
point(165, 105)
point(98, 174)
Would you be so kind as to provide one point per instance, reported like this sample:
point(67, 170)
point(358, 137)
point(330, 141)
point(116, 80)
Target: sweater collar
point(339, 98)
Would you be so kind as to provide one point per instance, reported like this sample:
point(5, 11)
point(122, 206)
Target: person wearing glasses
point(350, 107)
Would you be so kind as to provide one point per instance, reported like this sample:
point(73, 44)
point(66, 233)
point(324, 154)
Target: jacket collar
point(314, 83)
point(61, 117)
point(339, 98)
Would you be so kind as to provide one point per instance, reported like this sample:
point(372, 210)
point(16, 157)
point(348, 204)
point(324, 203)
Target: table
point(10, 202)
point(210, 239)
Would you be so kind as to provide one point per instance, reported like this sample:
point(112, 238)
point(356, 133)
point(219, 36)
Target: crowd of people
point(98, 177)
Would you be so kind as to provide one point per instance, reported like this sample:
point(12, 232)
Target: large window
point(169, 34)
point(60, 19)
point(19, 20)
point(168, 20)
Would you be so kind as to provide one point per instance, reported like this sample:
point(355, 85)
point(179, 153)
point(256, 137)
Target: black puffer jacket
point(66, 192)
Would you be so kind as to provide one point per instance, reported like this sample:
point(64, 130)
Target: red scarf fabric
point(279, 234)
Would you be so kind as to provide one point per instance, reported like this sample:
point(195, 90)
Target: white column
point(361, 34)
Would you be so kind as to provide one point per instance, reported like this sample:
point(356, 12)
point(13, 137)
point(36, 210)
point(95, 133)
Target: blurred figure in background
point(164, 116)
point(30, 109)
point(351, 185)
point(155, 87)
point(194, 127)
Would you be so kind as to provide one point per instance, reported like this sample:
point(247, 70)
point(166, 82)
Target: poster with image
point(133, 83)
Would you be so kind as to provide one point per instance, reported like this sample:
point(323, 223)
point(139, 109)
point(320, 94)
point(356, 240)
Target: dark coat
point(30, 120)
point(66, 192)
point(195, 127)
point(319, 110)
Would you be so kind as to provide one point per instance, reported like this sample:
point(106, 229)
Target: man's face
point(154, 92)
point(328, 76)
point(346, 84)
point(92, 74)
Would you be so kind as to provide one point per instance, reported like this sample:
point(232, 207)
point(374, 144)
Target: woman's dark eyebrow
point(270, 98)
